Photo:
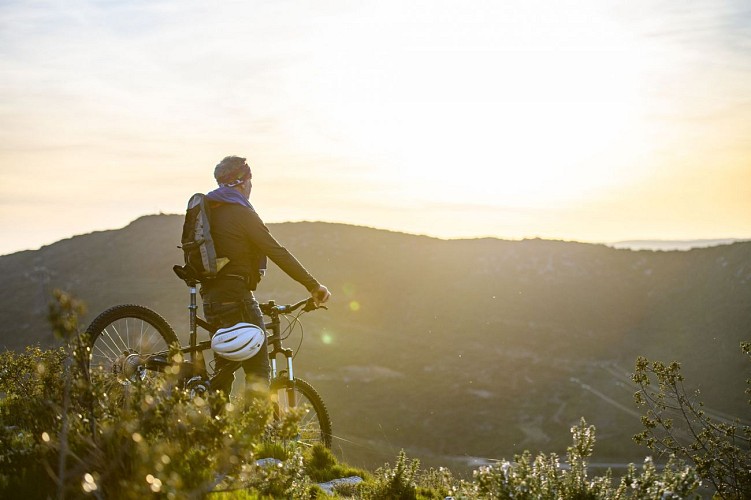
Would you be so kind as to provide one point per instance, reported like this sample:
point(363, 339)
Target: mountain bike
point(130, 343)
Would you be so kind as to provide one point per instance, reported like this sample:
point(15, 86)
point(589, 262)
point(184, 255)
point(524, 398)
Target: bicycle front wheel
point(119, 342)
point(315, 423)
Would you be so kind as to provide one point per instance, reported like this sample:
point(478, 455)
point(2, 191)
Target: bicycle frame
point(195, 349)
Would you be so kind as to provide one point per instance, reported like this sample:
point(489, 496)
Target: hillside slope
point(447, 348)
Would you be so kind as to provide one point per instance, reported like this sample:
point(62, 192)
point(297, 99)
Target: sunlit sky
point(588, 120)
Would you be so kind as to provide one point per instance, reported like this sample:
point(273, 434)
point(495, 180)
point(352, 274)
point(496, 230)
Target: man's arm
point(266, 243)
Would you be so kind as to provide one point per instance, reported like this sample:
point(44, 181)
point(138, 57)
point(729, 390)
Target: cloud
point(696, 50)
point(139, 98)
point(102, 70)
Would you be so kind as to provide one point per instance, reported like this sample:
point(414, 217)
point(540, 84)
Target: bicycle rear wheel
point(120, 340)
point(315, 423)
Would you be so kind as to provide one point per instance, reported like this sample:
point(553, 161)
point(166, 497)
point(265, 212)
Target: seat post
point(190, 279)
point(196, 357)
point(193, 307)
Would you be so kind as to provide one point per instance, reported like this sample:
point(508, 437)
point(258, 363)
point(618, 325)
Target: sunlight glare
point(494, 113)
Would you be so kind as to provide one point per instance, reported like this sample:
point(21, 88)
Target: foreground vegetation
point(159, 441)
point(63, 436)
point(676, 424)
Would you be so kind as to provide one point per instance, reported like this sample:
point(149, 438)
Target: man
point(241, 236)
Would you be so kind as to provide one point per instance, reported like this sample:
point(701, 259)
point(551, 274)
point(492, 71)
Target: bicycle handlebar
point(270, 308)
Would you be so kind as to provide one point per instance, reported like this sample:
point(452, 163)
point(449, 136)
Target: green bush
point(399, 482)
point(157, 440)
point(64, 434)
point(30, 385)
point(544, 477)
point(677, 424)
point(322, 466)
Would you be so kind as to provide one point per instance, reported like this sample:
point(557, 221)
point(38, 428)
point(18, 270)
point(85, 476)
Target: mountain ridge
point(632, 244)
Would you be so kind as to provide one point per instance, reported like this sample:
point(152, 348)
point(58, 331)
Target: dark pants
point(226, 303)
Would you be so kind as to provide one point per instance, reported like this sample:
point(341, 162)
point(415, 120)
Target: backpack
point(197, 244)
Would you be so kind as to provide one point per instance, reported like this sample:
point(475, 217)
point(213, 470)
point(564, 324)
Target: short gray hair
point(231, 170)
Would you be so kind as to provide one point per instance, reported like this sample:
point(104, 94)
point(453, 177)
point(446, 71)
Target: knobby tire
point(315, 424)
point(118, 332)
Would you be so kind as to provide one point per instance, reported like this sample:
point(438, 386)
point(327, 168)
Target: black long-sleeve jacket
point(240, 235)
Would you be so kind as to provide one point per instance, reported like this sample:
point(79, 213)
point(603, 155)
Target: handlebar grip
point(309, 305)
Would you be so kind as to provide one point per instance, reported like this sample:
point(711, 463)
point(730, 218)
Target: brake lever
point(311, 306)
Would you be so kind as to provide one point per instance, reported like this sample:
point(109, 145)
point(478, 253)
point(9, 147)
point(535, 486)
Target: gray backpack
point(197, 244)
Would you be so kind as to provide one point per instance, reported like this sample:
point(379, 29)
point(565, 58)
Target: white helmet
point(239, 342)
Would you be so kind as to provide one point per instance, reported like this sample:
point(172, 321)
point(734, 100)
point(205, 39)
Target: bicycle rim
point(120, 339)
point(314, 426)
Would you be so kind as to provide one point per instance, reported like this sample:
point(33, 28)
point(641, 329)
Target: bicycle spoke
point(100, 357)
point(121, 339)
point(309, 426)
point(149, 341)
point(104, 354)
point(117, 335)
point(145, 327)
point(142, 344)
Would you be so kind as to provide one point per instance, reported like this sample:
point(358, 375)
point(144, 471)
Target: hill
point(450, 349)
point(671, 244)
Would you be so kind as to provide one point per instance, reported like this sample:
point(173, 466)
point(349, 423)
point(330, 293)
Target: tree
point(676, 423)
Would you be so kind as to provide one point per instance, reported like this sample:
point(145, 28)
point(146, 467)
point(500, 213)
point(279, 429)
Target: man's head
point(232, 171)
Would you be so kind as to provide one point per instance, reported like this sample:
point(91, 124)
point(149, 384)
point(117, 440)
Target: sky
point(586, 120)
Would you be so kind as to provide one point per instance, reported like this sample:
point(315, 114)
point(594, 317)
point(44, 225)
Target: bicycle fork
point(289, 372)
point(276, 349)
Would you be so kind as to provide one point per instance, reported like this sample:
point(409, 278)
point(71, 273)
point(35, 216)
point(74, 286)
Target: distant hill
point(454, 350)
point(669, 245)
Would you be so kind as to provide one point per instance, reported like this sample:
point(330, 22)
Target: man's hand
point(320, 295)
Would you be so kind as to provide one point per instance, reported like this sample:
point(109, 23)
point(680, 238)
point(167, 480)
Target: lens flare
point(348, 289)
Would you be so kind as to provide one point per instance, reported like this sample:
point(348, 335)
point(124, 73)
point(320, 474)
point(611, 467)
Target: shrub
point(30, 386)
point(322, 466)
point(545, 478)
point(62, 434)
point(398, 483)
point(676, 424)
point(158, 440)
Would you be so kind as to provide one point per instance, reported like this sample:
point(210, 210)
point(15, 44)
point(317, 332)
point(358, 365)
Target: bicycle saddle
point(185, 274)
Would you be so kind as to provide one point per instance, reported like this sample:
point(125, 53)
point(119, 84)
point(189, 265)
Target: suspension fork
point(275, 328)
point(288, 354)
point(290, 375)
point(291, 394)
